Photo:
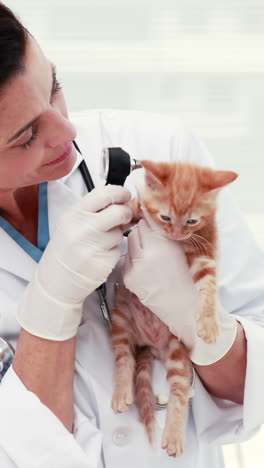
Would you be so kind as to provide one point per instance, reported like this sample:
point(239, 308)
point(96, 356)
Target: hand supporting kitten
point(157, 272)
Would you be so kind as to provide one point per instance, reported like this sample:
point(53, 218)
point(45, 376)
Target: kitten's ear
point(212, 179)
point(156, 174)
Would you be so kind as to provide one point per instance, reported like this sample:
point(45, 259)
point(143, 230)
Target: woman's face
point(35, 133)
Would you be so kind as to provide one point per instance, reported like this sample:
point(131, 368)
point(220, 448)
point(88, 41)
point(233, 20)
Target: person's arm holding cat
point(225, 378)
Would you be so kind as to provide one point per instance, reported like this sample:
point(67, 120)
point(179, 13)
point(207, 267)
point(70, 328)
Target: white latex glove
point(79, 257)
point(156, 271)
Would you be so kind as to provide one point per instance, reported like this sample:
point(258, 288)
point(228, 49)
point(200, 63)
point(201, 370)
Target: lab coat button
point(121, 435)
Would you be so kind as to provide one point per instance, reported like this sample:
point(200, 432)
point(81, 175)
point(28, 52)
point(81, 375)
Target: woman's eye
point(30, 140)
point(28, 143)
point(192, 221)
point(165, 218)
point(57, 87)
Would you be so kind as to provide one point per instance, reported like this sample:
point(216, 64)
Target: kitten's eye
point(192, 222)
point(165, 218)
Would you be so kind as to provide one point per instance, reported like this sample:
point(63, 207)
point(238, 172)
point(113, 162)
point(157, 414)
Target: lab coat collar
point(12, 257)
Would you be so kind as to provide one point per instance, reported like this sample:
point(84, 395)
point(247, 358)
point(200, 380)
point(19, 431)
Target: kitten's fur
point(180, 192)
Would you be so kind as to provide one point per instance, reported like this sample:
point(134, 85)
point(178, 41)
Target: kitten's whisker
point(203, 247)
point(193, 243)
point(188, 241)
point(197, 243)
point(197, 236)
point(196, 246)
point(203, 241)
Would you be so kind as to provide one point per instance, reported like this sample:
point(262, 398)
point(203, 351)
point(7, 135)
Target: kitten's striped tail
point(144, 395)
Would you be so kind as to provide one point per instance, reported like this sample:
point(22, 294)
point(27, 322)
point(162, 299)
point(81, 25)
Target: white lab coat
point(30, 435)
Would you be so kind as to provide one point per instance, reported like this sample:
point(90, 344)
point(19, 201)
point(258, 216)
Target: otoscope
point(116, 165)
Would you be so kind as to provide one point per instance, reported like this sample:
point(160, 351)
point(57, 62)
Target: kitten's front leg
point(124, 362)
point(203, 271)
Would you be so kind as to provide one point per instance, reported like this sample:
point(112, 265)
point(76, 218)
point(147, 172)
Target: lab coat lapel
point(12, 257)
point(60, 198)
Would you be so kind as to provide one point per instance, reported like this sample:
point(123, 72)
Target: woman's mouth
point(61, 158)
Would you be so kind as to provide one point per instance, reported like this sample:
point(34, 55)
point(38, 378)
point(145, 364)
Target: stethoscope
point(116, 165)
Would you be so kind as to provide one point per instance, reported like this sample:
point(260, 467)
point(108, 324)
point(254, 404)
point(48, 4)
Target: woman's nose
point(61, 130)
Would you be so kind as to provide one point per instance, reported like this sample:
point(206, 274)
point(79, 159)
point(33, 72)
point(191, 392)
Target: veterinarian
point(55, 399)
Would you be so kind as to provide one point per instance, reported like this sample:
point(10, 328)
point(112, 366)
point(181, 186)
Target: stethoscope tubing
point(101, 290)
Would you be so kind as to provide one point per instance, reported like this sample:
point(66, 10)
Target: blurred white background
point(202, 60)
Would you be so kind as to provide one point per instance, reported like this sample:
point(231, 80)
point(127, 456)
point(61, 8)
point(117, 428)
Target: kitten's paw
point(208, 329)
point(122, 400)
point(172, 441)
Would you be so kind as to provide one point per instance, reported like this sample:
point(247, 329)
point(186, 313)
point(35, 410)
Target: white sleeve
point(31, 436)
point(241, 291)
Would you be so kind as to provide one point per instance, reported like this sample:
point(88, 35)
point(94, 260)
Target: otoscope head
point(116, 165)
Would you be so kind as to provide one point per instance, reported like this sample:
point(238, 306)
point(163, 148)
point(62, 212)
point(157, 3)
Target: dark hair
point(13, 40)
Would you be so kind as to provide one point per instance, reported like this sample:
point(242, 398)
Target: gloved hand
point(79, 257)
point(156, 271)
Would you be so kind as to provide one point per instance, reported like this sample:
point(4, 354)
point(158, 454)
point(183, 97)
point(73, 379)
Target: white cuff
point(43, 316)
point(204, 354)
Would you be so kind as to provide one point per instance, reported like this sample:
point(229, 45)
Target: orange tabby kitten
point(181, 200)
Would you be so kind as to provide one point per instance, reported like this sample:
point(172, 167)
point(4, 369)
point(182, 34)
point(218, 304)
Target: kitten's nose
point(177, 234)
